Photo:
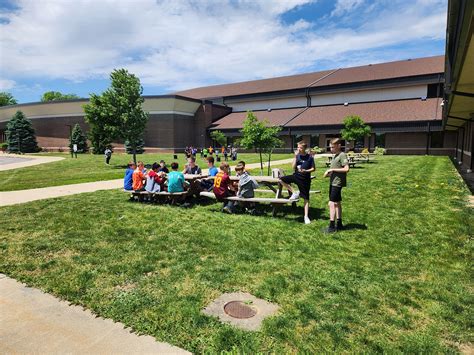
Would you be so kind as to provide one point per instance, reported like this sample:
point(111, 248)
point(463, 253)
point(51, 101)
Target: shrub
point(4, 146)
point(380, 151)
point(317, 150)
point(365, 151)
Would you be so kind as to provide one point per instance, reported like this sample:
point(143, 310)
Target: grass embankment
point(88, 168)
point(398, 280)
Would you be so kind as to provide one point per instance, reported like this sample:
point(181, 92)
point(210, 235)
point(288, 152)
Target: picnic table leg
point(274, 210)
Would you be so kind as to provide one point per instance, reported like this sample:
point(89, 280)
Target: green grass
point(88, 168)
point(398, 280)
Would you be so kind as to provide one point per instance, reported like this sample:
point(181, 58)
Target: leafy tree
point(259, 135)
point(21, 135)
point(139, 147)
point(57, 96)
point(354, 128)
point(7, 99)
point(219, 137)
point(117, 113)
point(78, 137)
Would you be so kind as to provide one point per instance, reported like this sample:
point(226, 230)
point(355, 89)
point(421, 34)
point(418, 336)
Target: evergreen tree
point(78, 137)
point(21, 135)
point(139, 147)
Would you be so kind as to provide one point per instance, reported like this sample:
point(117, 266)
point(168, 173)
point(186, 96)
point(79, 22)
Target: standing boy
point(337, 173)
point(303, 165)
point(108, 155)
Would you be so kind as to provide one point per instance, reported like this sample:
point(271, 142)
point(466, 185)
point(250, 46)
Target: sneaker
point(227, 210)
point(307, 220)
point(295, 196)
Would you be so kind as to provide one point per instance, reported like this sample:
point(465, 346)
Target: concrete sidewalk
point(31, 160)
point(8, 198)
point(34, 322)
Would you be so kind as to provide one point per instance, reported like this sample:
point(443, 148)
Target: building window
point(296, 139)
point(380, 140)
point(437, 139)
point(314, 140)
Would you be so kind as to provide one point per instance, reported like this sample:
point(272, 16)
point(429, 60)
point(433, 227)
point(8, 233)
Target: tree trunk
point(134, 154)
point(269, 160)
point(261, 162)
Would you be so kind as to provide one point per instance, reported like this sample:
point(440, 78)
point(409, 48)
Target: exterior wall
point(254, 104)
point(205, 116)
point(464, 153)
point(381, 94)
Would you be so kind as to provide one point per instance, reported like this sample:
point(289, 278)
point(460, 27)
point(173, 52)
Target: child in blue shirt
point(176, 182)
point(128, 178)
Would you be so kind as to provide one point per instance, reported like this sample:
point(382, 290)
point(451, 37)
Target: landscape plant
point(78, 138)
point(218, 137)
point(21, 135)
point(117, 113)
point(57, 96)
point(7, 99)
point(260, 136)
point(354, 129)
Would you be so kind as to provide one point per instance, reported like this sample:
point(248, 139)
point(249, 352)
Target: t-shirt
point(338, 161)
point(138, 177)
point(195, 171)
point(175, 181)
point(128, 179)
point(213, 171)
point(165, 170)
point(221, 184)
point(153, 182)
point(246, 186)
point(306, 162)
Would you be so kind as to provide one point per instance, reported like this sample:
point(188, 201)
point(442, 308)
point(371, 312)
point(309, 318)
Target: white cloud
point(343, 6)
point(6, 84)
point(181, 44)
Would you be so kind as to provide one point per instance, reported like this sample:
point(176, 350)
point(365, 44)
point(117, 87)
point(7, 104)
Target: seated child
point(154, 179)
point(191, 167)
point(139, 177)
point(223, 187)
point(128, 178)
point(247, 184)
point(163, 167)
point(176, 182)
point(207, 185)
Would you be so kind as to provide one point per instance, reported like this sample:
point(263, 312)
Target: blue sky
point(72, 45)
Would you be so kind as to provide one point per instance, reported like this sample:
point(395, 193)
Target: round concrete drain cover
point(238, 309)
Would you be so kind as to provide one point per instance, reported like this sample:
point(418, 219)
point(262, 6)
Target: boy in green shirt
point(337, 173)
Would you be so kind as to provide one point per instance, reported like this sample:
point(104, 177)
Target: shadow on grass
point(353, 226)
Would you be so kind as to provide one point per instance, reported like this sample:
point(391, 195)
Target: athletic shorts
point(335, 193)
point(303, 183)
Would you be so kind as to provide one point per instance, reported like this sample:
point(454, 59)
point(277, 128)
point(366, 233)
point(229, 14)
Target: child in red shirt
point(223, 187)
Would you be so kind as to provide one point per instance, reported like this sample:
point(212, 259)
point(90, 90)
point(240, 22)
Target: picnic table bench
point(274, 202)
point(155, 196)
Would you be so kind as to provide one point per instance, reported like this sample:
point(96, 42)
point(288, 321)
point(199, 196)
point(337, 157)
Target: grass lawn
point(88, 167)
point(398, 280)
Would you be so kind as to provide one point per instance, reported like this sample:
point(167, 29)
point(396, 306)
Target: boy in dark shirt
point(303, 165)
point(337, 173)
point(223, 187)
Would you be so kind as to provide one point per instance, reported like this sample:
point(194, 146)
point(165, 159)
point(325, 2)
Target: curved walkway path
point(15, 161)
point(15, 197)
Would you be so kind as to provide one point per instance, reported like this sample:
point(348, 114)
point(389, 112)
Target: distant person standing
point(108, 155)
point(74, 150)
point(337, 173)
